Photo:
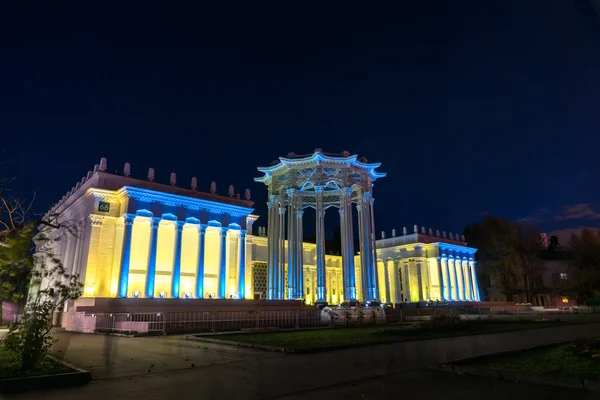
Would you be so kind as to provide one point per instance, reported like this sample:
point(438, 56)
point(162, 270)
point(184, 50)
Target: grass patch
point(559, 360)
point(9, 366)
point(363, 335)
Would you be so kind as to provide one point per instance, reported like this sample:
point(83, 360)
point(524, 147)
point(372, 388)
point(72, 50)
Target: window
point(559, 279)
point(565, 300)
point(556, 280)
point(539, 280)
point(563, 276)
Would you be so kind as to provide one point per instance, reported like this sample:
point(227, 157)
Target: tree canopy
point(585, 264)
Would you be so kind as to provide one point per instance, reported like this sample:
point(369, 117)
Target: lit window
point(563, 276)
point(565, 300)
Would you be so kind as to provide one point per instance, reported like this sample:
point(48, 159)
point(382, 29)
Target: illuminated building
point(426, 267)
point(142, 239)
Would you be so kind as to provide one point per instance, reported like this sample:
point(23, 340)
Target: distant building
point(551, 279)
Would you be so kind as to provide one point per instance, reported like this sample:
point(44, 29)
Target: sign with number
point(104, 206)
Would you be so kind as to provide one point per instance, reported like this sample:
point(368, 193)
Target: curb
point(573, 382)
point(45, 382)
point(288, 350)
point(239, 344)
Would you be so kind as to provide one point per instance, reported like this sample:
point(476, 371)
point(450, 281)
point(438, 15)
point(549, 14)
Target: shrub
point(31, 339)
point(587, 347)
point(444, 322)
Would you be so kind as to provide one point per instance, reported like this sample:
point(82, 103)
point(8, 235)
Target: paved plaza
point(161, 368)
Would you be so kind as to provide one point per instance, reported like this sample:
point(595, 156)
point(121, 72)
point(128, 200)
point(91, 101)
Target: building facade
point(422, 266)
point(135, 238)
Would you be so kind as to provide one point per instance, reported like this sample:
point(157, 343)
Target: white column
point(344, 245)
point(363, 256)
point(477, 297)
point(459, 279)
point(299, 252)
point(281, 257)
point(464, 269)
point(386, 274)
point(320, 214)
point(369, 272)
point(406, 280)
point(440, 277)
point(398, 298)
point(350, 270)
point(372, 247)
point(453, 280)
point(418, 266)
point(249, 287)
point(291, 242)
point(242, 266)
point(446, 278)
point(272, 240)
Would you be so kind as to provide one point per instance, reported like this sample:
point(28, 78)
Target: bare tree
point(529, 253)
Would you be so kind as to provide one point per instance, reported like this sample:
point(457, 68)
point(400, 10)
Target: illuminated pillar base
point(321, 295)
point(351, 293)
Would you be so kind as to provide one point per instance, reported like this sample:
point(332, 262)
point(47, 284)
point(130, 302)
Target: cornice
point(456, 248)
point(173, 200)
point(315, 159)
point(104, 195)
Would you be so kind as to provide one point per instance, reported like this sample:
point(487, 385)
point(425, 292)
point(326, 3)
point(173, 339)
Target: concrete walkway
point(157, 368)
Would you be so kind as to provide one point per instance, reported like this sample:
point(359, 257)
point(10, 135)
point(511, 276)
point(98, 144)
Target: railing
point(491, 312)
point(215, 321)
point(203, 321)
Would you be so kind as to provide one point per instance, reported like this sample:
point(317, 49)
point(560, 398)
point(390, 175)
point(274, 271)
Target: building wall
point(146, 240)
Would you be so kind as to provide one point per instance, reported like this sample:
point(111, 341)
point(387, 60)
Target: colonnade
point(293, 205)
point(147, 256)
point(422, 279)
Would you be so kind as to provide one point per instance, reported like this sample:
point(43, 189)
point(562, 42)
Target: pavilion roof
point(315, 159)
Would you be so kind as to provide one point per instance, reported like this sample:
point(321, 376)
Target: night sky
point(473, 108)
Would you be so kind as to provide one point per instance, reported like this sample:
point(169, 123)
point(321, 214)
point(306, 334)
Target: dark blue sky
point(471, 107)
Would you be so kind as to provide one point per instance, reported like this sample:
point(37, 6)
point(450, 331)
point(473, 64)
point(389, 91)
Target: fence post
point(297, 319)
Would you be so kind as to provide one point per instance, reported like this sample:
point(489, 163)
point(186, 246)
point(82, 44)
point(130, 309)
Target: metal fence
point(215, 321)
point(500, 313)
point(203, 321)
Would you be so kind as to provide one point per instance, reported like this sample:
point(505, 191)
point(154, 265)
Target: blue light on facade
point(223, 266)
point(177, 261)
point(152, 258)
point(124, 273)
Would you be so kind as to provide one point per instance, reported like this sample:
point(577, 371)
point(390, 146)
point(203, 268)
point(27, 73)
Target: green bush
point(31, 339)
point(444, 322)
point(593, 302)
point(587, 347)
